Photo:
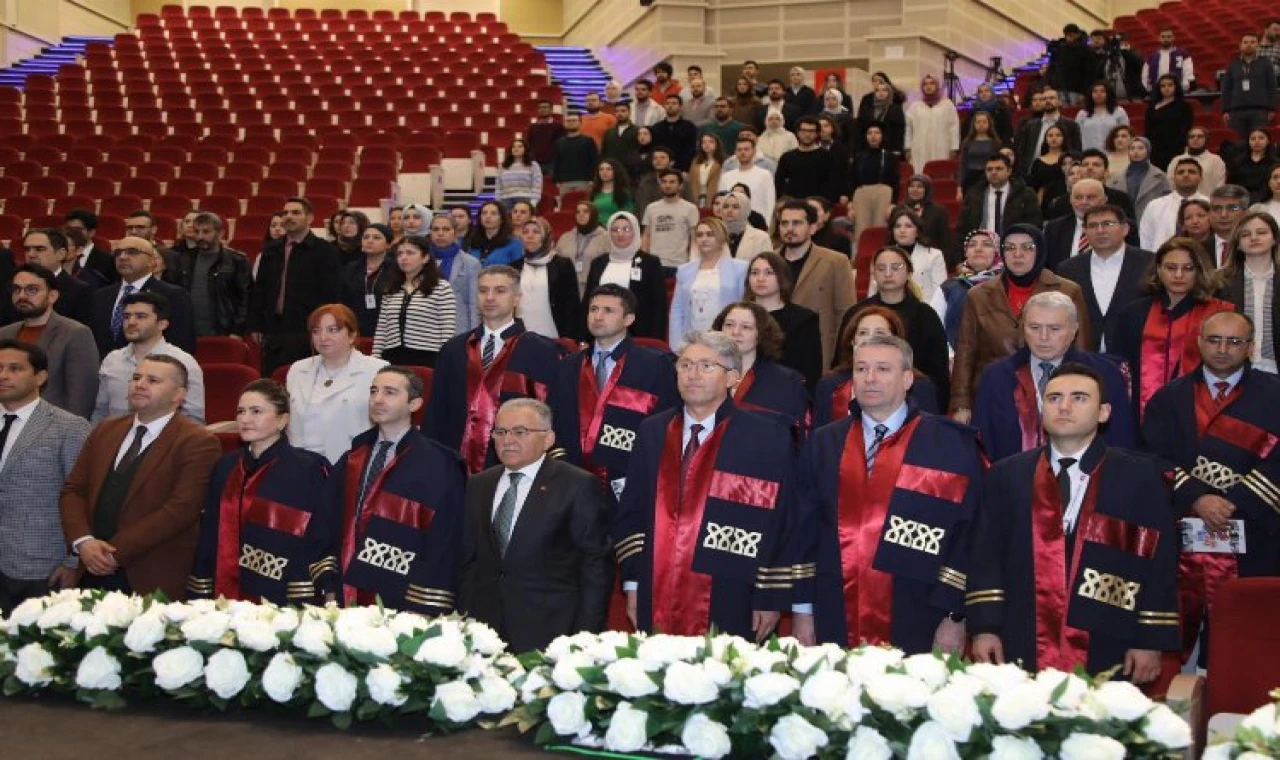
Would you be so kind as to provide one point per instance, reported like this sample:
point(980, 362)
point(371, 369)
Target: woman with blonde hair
point(1251, 282)
point(711, 279)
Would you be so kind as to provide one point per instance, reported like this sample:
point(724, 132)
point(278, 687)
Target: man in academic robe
point(602, 393)
point(884, 499)
point(478, 370)
point(1217, 429)
point(1050, 322)
point(1074, 548)
point(701, 533)
point(398, 498)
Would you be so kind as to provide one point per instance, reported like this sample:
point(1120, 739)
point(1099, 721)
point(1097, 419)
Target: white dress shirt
point(1079, 485)
point(989, 206)
point(137, 287)
point(117, 370)
point(498, 341)
point(1160, 219)
point(1232, 381)
point(1104, 272)
point(529, 471)
point(23, 414)
point(1075, 237)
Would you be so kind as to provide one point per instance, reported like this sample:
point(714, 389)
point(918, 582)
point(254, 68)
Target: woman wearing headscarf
point(933, 217)
point(987, 102)
point(414, 220)
point(933, 126)
point(883, 105)
point(1142, 181)
point(549, 302)
point(745, 239)
point(710, 280)
point(833, 107)
point(833, 81)
point(628, 266)
point(775, 140)
point(990, 325)
point(582, 244)
point(982, 262)
point(350, 229)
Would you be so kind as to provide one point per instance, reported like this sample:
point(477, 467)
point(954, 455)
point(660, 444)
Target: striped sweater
point(424, 323)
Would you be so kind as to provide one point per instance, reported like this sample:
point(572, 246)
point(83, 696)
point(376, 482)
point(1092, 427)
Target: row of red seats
point(407, 139)
point(226, 11)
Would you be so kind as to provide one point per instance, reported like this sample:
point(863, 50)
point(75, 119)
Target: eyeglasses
point(1218, 341)
point(703, 367)
point(1176, 268)
point(130, 252)
point(28, 290)
point(1024, 247)
point(1105, 225)
point(1229, 208)
point(519, 433)
point(896, 266)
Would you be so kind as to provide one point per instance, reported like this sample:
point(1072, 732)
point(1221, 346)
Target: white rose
point(484, 639)
point(1262, 720)
point(661, 650)
point(826, 691)
point(718, 672)
point(932, 742)
point(407, 623)
point(285, 620)
point(870, 662)
point(566, 675)
point(384, 685)
point(998, 677)
point(281, 678)
point(868, 744)
point(1091, 747)
point(177, 668)
point(1120, 699)
point(1254, 756)
point(26, 613)
point(1073, 693)
point(1217, 752)
point(956, 711)
point(629, 678)
point(768, 689)
point(144, 633)
point(533, 683)
point(687, 684)
point(35, 665)
point(722, 643)
point(899, 694)
point(376, 640)
point(256, 634)
point(496, 695)
point(314, 637)
point(626, 729)
point(1019, 706)
point(605, 648)
point(824, 656)
point(117, 610)
point(98, 670)
point(226, 673)
point(928, 668)
point(1165, 727)
point(567, 712)
point(705, 738)
point(208, 627)
point(88, 624)
point(1014, 748)
point(762, 660)
point(335, 687)
point(795, 738)
point(447, 650)
point(558, 648)
point(58, 615)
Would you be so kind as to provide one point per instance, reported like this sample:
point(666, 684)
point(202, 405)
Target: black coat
point(806, 99)
point(355, 288)
point(802, 342)
point(894, 125)
point(557, 573)
point(314, 279)
point(229, 281)
point(1128, 288)
point(99, 269)
point(1167, 129)
point(1058, 234)
point(650, 291)
point(925, 334)
point(75, 298)
point(1027, 149)
point(181, 331)
point(562, 290)
point(1021, 207)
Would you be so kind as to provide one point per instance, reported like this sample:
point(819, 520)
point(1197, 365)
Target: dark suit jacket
point(6, 281)
point(620, 147)
point(314, 279)
point(557, 574)
point(1027, 149)
point(1057, 240)
point(1128, 287)
point(650, 290)
point(73, 363)
point(75, 298)
point(159, 521)
point(562, 293)
point(1233, 291)
point(182, 326)
point(1061, 206)
point(99, 269)
point(1021, 207)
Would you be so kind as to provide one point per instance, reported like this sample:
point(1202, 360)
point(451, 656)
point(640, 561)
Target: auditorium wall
point(28, 25)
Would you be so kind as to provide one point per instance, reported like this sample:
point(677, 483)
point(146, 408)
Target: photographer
point(1071, 67)
point(1117, 64)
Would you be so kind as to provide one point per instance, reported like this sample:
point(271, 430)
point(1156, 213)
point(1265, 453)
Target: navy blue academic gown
point(890, 551)
point(402, 547)
point(1006, 413)
point(835, 391)
point(770, 387)
point(264, 534)
point(1120, 559)
point(465, 399)
point(718, 551)
point(600, 435)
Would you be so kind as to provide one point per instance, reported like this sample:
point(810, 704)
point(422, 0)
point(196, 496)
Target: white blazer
point(324, 420)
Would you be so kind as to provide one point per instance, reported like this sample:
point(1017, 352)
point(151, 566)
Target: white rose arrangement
point(1256, 737)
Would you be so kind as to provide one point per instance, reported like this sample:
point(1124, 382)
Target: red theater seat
point(222, 386)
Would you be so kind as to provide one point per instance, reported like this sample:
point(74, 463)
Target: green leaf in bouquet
point(594, 675)
point(341, 720)
point(105, 699)
point(529, 660)
point(546, 734)
point(409, 645)
point(437, 713)
point(13, 686)
point(317, 710)
point(367, 710)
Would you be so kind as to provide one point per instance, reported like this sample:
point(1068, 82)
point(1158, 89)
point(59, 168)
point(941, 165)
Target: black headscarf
point(1037, 237)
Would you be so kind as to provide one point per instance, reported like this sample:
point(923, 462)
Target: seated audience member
point(625, 265)
point(329, 392)
point(70, 356)
point(766, 385)
point(1169, 119)
point(668, 222)
point(999, 202)
point(875, 182)
point(144, 318)
point(1009, 407)
point(1251, 168)
point(457, 266)
point(407, 558)
point(49, 249)
point(745, 239)
point(419, 311)
point(131, 504)
point(1142, 181)
point(1251, 282)
point(492, 241)
point(39, 442)
point(891, 268)
point(933, 217)
point(585, 242)
point(136, 261)
point(982, 262)
point(833, 396)
point(1110, 276)
point(1157, 335)
point(1030, 533)
point(1160, 220)
point(264, 528)
point(549, 301)
point(989, 326)
point(364, 280)
point(769, 284)
point(929, 268)
point(707, 283)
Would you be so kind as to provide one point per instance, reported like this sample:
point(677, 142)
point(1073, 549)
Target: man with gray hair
point(1227, 204)
point(701, 534)
point(218, 279)
point(1049, 325)
point(906, 481)
point(535, 560)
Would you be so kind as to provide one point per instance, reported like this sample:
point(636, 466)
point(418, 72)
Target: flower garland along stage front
point(711, 696)
point(1256, 738)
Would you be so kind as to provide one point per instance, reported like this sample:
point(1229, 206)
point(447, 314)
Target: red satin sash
point(231, 517)
point(356, 463)
point(1028, 409)
point(744, 387)
point(863, 507)
point(1169, 347)
point(840, 399)
point(484, 388)
point(681, 597)
point(1058, 645)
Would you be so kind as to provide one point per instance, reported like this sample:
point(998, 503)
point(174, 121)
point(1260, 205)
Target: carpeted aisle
point(59, 730)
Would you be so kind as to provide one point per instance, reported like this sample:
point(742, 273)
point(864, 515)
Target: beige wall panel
point(535, 17)
point(14, 46)
point(38, 18)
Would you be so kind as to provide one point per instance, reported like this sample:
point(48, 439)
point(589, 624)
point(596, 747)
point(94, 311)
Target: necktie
point(4, 434)
point(999, 212)
point(1082, 246)
point(1222, 385)
point(135, 448)
point(1046, 369)
point(1222, 254)
point(504, 519)
point(1064, 482)
point(375, 467)
point(691, 448)
point(602, 370)
point(486, 355)
point(117, 316)
point(284, 278)
point(874, 448)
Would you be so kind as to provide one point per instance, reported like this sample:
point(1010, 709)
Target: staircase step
point(49, 60)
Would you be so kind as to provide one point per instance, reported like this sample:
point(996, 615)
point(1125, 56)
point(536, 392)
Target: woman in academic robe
point(767, 385)
point(835, 391)
point(1158, 335)
point(263, 534)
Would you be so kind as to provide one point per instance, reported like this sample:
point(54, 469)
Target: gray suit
point(31, 540)
point(73, 363)
point(463, 279)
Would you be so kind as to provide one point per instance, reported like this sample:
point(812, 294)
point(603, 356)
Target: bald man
point(1064, 236)
point(136, 261)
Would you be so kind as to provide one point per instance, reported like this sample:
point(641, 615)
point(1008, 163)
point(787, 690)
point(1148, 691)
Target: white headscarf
point(619, 254)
